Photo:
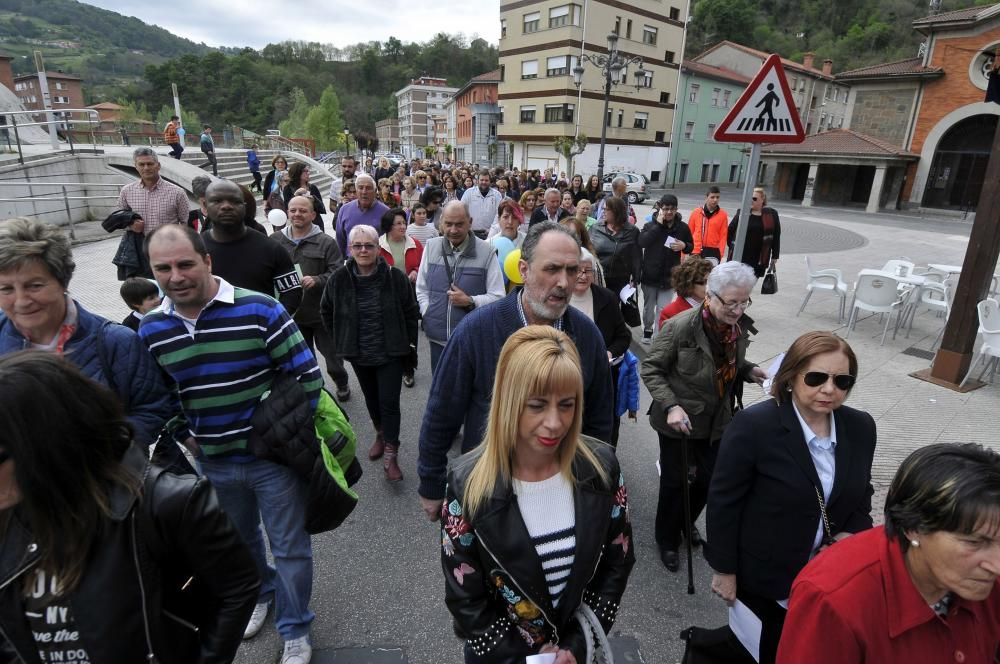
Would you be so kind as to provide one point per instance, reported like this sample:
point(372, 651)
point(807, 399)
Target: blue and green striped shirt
point(223, 362)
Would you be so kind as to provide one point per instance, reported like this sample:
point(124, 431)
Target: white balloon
point(277, 218)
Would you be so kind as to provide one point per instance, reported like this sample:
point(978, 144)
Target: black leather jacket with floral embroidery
point(494, 584)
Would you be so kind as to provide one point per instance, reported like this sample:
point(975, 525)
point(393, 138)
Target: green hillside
point(108, 50)
point(852, 33)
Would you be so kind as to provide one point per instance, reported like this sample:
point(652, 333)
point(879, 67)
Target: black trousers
point(381, 386)
point(256, 181)
point(670, 506)
point(317, 337)
point(211, 159)
point(772, 619)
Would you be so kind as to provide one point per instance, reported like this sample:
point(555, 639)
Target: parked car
point(636, 185)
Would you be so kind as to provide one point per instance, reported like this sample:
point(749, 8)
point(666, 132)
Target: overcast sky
point(257, 23)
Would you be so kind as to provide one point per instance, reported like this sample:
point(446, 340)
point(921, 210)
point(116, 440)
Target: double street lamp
point(611, 65)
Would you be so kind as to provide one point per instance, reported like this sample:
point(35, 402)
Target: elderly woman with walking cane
point(691, 371)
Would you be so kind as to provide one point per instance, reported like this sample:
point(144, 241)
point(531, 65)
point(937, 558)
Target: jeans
point(261, 490)
point(317, 337)
point(670, 505)
point(436, 351)
point(381, 386)
point(653, 301)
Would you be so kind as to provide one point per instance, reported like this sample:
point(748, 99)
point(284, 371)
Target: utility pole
point(43, 84)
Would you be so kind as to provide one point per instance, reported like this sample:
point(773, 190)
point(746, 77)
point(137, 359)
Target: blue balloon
point(503, 246)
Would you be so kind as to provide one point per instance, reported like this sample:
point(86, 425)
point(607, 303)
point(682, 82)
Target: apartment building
point(541, 42)
point(65, 90)
point(387, 133)
point(477, 118)
point(820, 99)
point(419, 105)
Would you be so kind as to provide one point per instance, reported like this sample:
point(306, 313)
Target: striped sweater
point(225, 362)
point(548, 513)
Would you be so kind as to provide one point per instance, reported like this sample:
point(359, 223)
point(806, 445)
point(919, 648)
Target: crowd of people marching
point(138, 465)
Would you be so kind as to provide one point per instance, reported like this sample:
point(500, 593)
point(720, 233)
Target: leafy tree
point(131, 113)
point(324, 123)
point(429, 151)
point(569, 147)
point(294, 126)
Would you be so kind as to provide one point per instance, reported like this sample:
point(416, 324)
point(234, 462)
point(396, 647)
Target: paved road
point(378, 591)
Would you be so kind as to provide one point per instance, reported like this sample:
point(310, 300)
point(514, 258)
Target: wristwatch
point(471, 305)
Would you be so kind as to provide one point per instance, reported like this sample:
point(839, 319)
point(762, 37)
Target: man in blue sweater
point(463, 382)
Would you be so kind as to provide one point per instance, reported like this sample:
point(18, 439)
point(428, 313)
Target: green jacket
point(679, 370)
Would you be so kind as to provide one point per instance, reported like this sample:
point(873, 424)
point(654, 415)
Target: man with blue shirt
point(222, 346)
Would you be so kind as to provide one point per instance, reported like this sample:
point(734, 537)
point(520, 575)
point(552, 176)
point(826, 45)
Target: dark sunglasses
point(843, 382)
point(4, 455)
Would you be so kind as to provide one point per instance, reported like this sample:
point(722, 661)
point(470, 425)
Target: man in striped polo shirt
point(222, 346)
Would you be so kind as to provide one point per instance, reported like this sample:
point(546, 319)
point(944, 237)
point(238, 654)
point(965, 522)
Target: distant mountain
point(108, 50)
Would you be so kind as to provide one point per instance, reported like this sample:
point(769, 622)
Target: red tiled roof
point(491, 76)
point(841, 142)
point(785, 62)
point(711, 71)
point(908, 67)
point(971, 15)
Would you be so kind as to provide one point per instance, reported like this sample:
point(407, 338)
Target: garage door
point(541, 157)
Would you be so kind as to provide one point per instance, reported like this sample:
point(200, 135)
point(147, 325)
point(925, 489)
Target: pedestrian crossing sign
point(765, 112)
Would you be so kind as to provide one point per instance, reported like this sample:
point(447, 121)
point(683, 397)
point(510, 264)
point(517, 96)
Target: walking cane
point(686, 499)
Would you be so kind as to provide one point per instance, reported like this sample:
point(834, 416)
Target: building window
point(822, 120)
point(503, 71)
point(840, 123)
point(527, 114)
point(705, 169)
point(529, 69)
point(693, 93)
point(688, 131)
point(531, 21)
point(664, 97)
point(669, 56)
point(608, 119)
point(793, 82)
point(732, 172)
point(725, 98)
point(61, 100)
point(628, 29)
point(60, 86)
point(710, 135)
point(661, 137)
point(503, 28)
point(564, 15)
point(559, 112)
point(802, 85)
point(558, 65)
point(715, 96)
point(826, 92)
point(618, 25)
point(675, 14)
point(621, 117)
point(715, 172)
point(847, 91)
point(641, 120)
point(684, 172)
point(647, 80)
point(649, 35)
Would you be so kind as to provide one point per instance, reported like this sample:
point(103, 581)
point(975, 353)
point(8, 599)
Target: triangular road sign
point(765, 112)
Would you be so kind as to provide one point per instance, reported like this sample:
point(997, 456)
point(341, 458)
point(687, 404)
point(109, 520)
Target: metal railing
point(65, 198)
point(64, 122)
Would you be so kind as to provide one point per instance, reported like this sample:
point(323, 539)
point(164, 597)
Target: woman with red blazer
point(688, 279)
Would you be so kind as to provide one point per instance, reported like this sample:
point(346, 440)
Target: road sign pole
point(748, 185)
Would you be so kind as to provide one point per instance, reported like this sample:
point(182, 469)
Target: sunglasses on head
point(843, 382)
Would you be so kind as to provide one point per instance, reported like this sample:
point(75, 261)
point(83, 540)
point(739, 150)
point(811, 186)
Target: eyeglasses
point(733, 306)
point(362, 247)
point(843, 382)
point(4, 455)
point(584, 273)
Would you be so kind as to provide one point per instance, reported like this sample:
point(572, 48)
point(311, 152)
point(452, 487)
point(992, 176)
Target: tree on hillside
point(324, 123)
point(294, 126)
point(131, 113)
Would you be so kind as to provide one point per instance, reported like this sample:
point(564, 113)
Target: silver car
point(635, 184)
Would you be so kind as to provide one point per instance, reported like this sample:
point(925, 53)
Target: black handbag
point(630, 311)
point(713, 646)
point(770, 284)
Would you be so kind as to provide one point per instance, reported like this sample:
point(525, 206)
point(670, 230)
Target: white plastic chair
point(989, 327)
point(934, 296)
point(876, 292)
point(829, 279)
point(893, 265)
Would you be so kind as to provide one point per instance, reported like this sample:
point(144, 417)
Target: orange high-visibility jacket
point(711, 232)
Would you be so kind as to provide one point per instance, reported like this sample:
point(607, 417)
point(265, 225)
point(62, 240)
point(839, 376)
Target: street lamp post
point(347, 141)
point(611, 66)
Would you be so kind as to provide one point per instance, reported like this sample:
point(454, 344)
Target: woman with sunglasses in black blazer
point(793, 476)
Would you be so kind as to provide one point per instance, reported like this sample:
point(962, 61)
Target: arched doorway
point(955, 179)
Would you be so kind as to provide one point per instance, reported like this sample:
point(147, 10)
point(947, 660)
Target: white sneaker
point(297, 651)
point(257, 619)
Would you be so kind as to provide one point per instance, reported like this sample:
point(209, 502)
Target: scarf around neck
point(722, 338)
